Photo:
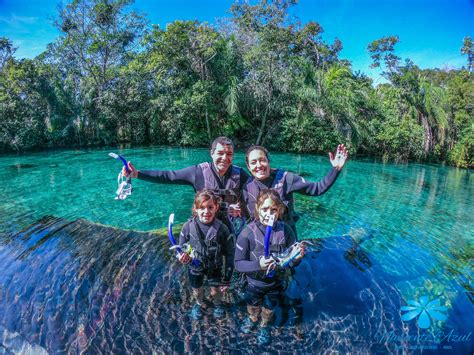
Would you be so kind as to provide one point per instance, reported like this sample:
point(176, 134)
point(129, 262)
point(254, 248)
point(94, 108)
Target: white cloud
point(18, 21)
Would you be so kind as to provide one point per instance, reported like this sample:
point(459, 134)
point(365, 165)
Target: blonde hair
point(275, 197)
point(204, 196)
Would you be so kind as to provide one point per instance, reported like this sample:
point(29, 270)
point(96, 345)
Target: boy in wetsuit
point(263, 291)
point(213, 246)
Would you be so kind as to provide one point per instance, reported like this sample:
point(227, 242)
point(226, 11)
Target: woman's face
point(267, 208)
point(207, 211)
point(258, 164)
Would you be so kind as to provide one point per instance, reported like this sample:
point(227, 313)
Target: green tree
point(22, 106)
point(460, 91)
point(183, 57)
point(98, 36)
point(427, 101)
point(467, 49)
point(265, 44)
point(398, 136)
point(382, 51)
point(6, 51)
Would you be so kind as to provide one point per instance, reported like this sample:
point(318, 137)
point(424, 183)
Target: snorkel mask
point(284, 259)
point(124, 183)
point(181, 248)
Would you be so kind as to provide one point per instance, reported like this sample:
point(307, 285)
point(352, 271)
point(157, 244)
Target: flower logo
point(425, 310)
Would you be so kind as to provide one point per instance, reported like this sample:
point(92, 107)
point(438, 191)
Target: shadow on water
point(18, 167)
point(75, 286)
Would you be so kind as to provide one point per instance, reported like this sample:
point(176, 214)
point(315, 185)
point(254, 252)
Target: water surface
point(81, 272)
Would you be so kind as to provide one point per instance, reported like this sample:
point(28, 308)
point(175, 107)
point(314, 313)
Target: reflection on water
point(68, 283)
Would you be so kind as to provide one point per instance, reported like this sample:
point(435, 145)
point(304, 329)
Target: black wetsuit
point(214, 247)
point(286, 183)
point(202, 176)
point(261, 289)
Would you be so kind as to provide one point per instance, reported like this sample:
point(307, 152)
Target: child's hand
point(184, 258)
point(224, 288)
point(265, 262)
point(302, 250)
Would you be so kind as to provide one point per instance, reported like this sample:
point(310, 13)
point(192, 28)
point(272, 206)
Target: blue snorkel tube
point(171, 236)
point(124, 183)
point(195, 262)
point(284, 259)
point(266, 241)
point(124, 161)
point(268, 232)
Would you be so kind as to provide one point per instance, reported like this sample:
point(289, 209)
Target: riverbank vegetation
point(259, 76)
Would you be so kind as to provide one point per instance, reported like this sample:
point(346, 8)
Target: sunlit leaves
point(382, 50)
point(261, 76)
point(468, 49)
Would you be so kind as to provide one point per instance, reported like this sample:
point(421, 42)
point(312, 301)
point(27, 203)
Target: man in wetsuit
point(219, 176)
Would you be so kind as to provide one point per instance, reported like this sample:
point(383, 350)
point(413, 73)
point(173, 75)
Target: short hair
point(223, 141)
point(256, 147)
point(204, 196)
point(275, 197)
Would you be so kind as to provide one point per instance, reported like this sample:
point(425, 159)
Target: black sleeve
point(299, 185)
point(228, 252)
point(242, 253)
point(186, 176)
point(244, 176)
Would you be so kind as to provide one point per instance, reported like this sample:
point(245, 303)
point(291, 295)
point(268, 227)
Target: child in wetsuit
point(263, 291)
point(213, 247)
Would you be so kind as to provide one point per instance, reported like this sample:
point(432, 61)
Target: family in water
point(243, 223)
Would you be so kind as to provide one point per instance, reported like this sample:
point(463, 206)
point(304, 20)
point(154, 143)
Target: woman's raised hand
point(339, 158)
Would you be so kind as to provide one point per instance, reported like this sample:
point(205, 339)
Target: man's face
point(222, 158)
point(258, 164)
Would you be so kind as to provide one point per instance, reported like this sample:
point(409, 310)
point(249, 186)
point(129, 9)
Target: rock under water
point(75, 286)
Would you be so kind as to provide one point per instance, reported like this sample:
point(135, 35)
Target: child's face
point(267, 208)
point(207, 211)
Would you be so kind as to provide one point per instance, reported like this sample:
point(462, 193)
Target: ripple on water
point(68, 285)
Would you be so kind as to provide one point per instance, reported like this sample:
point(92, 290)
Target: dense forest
point(259, 76)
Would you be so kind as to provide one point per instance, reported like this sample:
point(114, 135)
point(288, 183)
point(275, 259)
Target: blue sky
point(430, 31)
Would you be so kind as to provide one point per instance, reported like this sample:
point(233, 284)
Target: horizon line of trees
point(259, 77)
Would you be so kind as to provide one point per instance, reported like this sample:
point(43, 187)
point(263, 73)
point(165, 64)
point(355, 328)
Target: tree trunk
point(428, 136)
point(262, 127)
point(208, 126)
point(147, 130)
point(47, 119)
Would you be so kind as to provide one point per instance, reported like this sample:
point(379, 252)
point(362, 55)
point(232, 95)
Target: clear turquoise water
point(414, 222)
point(409, 200)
